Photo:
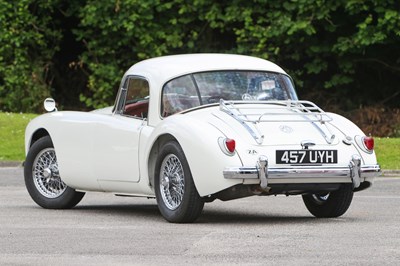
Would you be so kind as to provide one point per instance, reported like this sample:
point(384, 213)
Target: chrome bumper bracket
point(355, 170)
point(263, 171)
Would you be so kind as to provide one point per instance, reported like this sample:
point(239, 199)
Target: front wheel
point(42, 178)
point(176, 194)
point(329, 205)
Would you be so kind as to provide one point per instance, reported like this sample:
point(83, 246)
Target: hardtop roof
point(167, 67)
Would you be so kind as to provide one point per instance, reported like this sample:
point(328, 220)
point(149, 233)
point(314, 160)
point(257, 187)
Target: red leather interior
point(139, 109)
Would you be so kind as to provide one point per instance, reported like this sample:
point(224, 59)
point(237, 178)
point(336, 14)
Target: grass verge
point(388, 152)
point(12, 129)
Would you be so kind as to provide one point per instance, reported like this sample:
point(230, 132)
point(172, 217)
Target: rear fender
point(199, 141)
point(351, 130)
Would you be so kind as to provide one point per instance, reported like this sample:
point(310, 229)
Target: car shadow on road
point(209, 216)
point(221, 217)
point(142, 210)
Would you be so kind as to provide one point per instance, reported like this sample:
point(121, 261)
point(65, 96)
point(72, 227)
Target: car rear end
point(293, 147)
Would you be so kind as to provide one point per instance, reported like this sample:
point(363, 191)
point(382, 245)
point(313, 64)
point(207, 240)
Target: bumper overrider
point(354, 172)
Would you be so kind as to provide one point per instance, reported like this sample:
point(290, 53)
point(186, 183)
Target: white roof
point(167, 67)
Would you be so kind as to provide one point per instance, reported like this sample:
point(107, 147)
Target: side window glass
point(137, 98)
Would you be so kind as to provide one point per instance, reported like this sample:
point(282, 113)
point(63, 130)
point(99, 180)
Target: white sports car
point(189, 129)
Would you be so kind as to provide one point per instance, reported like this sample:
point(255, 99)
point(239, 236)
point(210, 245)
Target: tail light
point(230, 145)
point(227, 145)
point(365, 143)
point(368, 143)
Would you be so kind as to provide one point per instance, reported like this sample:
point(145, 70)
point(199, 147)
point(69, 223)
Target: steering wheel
point(214, 99)
point(247, 97)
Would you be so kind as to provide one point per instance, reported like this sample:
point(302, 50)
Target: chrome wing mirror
point(50, 105)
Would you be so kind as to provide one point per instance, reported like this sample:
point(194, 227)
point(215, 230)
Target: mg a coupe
point(189, 129)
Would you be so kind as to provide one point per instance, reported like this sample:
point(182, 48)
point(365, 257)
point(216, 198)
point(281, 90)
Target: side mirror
point(50, 105)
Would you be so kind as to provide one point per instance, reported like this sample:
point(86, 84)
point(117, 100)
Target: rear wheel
point(176, 194)
point(42, 178)
point(329, 205)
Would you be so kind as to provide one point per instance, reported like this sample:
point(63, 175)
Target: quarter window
point(178, 95)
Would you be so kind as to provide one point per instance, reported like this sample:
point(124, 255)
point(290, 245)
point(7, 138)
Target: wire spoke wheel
point(42, 178)
point(176, 194)
point(172, 181)
point(46, 176)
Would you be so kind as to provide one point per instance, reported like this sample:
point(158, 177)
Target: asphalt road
point(108, 230)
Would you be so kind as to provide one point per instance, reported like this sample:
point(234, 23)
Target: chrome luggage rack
point(276, 111)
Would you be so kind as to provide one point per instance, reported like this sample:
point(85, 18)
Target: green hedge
point(342, 53)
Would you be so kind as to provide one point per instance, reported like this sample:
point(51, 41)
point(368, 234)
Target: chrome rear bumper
point(353, 172)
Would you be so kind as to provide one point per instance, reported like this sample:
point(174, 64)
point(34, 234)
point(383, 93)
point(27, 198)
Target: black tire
point(330, 205)
point(43, 181)
point(174, 206)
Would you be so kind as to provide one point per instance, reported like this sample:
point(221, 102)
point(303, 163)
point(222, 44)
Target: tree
point(28, 41)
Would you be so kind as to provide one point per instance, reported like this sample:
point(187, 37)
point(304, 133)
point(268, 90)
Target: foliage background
point(344, 54)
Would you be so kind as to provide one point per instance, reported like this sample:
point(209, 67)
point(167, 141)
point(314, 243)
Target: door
point(116, 139)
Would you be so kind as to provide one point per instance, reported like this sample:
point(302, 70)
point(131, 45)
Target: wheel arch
point(39, 133)
point(161, 140)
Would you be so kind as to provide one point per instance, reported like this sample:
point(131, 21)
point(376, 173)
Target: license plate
point(306, 156)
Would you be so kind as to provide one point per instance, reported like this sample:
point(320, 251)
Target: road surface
point(108, 230)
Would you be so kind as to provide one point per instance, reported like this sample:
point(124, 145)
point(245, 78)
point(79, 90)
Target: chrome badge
point(286, 129)
point(251, 152)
